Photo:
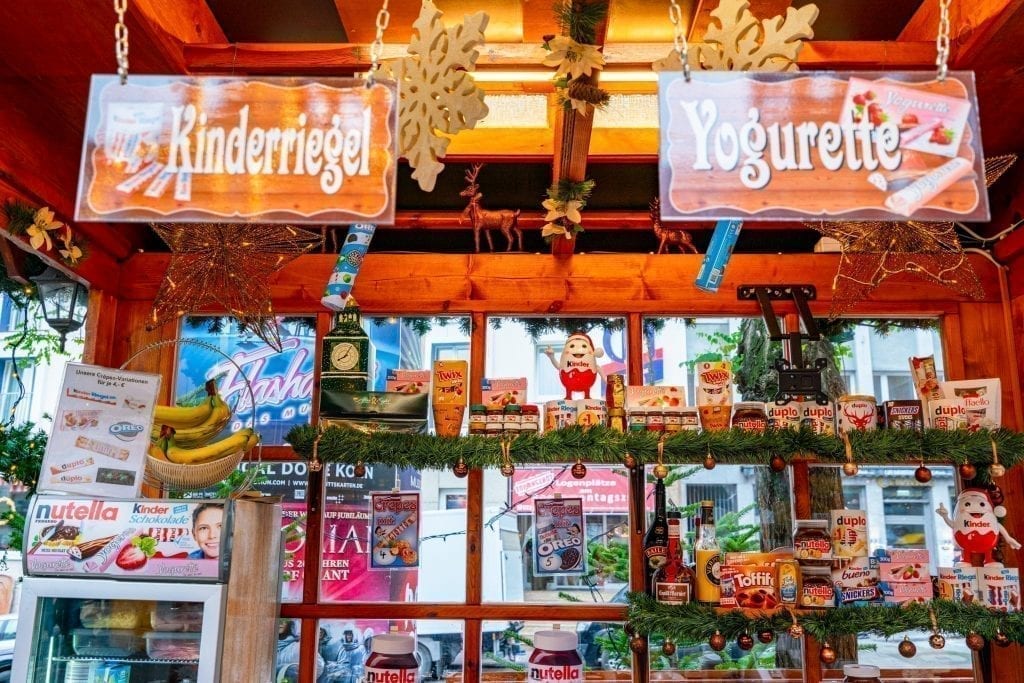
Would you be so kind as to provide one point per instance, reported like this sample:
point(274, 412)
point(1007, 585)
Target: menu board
point(143, 539)
point(100, 432)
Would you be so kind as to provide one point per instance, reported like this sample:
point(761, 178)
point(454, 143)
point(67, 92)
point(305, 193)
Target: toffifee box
point(849, 533)
point(903, 565)
point(959, 584)
point(999, 588)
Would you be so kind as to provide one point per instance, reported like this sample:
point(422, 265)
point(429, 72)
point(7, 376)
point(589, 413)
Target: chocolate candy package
point(372, 411)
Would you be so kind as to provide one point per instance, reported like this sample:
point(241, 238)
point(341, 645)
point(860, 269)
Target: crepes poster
point(100, 433)
point(394, 530)
point(559, 547)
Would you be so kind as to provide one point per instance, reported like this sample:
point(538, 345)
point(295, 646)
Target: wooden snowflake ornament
point(739, 42)
point(439, 97)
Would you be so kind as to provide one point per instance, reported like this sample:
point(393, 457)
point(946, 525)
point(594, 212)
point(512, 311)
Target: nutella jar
point(478, 419)
point(555, 658)
point(812, 544)
point(862, 673)
point(750, 417)
point(391, 660)
point(816, 588)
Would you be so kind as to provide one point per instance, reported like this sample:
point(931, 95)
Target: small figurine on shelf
point(577, 367)
point(975, 525)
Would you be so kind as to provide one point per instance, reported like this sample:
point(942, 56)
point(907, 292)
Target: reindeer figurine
point(669, 236)
point(480, 218)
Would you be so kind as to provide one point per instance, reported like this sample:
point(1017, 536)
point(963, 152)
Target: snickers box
point(907, 414)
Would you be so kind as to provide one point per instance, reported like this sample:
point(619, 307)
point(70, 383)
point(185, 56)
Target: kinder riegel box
point(449, 394)
point(949, 414)
point(856, 581)
point(983, 398)
point(849, 533)
point(903, 565)
point(407, 381)
point(999, 588)
point(959, 583)
point(903, 593)
point(654, 397)
point(503, 392)
point(714, 394)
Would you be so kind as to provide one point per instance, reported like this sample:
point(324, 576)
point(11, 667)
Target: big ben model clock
point(346, 352)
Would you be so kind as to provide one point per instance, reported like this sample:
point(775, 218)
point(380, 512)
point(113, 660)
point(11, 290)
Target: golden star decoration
point(873, 251)
point(227, 267)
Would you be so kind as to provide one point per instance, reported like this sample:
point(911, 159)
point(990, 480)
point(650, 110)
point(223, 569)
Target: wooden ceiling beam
point(323, 59)
point(172, 25)
point(596, 221)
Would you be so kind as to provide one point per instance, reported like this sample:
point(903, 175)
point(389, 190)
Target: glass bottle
point(708, 557)
point(656, 540)
point(673, 582)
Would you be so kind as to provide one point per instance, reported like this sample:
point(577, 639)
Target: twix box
point(849, 533)
point(449, 395)
point(714, 394)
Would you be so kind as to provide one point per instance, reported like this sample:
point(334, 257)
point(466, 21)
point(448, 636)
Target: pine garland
point(695, 623)
point(601, 445)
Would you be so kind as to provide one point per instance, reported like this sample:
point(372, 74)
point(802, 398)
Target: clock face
point(344, 356)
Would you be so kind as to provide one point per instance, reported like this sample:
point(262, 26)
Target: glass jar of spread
point(812, 544)
point(495, 420)
point(478, 419)
point(637, 421)
point(655, 421)
point(555, 657)
point(513, 418)
point(750, 416)
point(862, 673)
point(856, 413)
point(531, 419)
point(391, 659)
point(816, 589)
point(673, 421)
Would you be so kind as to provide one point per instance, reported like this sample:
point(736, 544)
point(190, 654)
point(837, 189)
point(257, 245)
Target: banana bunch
point(194, 425)
point(167, 447)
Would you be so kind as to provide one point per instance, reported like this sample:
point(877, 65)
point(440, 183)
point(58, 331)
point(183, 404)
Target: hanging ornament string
point(377, 46)
point(121, 40)
point(942, 40)
point(679, 37)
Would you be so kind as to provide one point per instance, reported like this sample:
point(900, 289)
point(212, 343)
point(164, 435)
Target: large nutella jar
point(391, 659)
point(750, 416)
point(812, 544)
point(555, 657)
point(862, 673)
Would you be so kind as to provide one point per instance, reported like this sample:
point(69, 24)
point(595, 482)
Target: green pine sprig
point(694, 623)
point(579, 19)
point(601, 445)
point(18, 216)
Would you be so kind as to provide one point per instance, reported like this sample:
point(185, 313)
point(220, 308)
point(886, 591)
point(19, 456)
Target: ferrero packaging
point(983, 399)
point(856, 581)
point(959, 584)
point(999, 588)
point(926, 379)
point(849, 530)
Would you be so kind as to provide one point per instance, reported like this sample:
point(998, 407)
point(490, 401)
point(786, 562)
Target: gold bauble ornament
point(315, 465)
point(907, 648)
point(975, 641)
point(796, 630)
point(638, 644)
point(660, 471)
point(828, 654)
point(996, 470)
point(850, 468)
point(508, 469)
point(936, 641)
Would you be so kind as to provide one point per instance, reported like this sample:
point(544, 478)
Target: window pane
point(282, 382)
point(509, 571)
point(876, 361)
point(344, 645)
point(603, 646)
point(414, 344)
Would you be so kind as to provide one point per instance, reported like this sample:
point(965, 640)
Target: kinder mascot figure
point(975, 525)
point(577, 367)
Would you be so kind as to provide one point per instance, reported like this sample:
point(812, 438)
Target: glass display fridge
point(139, 591)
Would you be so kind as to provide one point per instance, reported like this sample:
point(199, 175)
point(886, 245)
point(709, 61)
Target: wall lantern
point(65, 301)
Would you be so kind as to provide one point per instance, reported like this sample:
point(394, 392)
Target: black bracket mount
point(797, 378)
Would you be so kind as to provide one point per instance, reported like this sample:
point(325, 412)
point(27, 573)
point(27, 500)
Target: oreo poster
point(559, 547)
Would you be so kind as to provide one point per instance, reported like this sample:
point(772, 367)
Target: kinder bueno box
point(849, 533)
point(959, 583)
point(856, 581)
point(497, 393)
point(408, 381)
point(983, 399)
point(785, 416)
point(903, 593)
point(999, 588)
point(949, 414)
point(903, 565)
point(147, 539)
point(654, 397)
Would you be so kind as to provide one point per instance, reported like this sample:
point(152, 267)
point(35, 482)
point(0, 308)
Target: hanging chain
point(121, 40)
point(942, 40)
point(377, 47)
point(682, 47)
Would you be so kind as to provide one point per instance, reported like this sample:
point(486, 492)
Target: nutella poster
point(145, 539)
point(100, 433)
point(767, 146)
point(559, 547)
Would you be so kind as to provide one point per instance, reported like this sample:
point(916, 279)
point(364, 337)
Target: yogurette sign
point(831, 144)
point(272, 149)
